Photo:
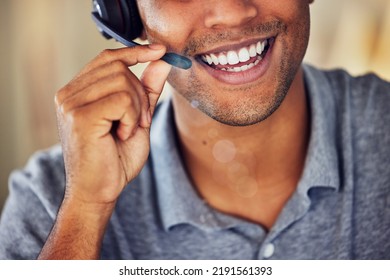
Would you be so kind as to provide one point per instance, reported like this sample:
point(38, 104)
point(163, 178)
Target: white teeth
point(252, 50)
point(243, 55)
point(251, 65)
point(214, 58)
point(259, 47)
point(222, 59)
point(244, 67)
point(208, 59)
point(234, 57)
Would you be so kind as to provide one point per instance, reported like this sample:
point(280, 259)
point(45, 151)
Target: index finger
point(129, 56)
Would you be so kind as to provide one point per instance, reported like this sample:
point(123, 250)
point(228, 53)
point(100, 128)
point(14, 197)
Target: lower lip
point(244, 77)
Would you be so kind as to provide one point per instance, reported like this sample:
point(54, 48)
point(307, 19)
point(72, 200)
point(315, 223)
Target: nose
point(229, 13)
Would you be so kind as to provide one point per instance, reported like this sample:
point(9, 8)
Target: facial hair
point(246, 111)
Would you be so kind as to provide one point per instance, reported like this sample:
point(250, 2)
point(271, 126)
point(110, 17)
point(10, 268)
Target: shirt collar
point(322, 165)
point(321, 168)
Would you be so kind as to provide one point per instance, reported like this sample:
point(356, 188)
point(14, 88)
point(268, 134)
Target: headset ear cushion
point(110, 12)
point(133, 23)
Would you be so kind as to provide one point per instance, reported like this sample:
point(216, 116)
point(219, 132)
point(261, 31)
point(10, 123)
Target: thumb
point(153, 80)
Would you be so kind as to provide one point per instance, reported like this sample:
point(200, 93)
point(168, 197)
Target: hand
point(104, 117)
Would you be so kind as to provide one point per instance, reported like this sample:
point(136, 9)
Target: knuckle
point(124, 99)
point(128, 102)
point(119, 66)
point(121, 78)
point(60, 96)
point(123, 81)
point(64, 108)
point(57, 101)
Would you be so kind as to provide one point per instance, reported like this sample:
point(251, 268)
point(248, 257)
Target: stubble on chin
point(244, 111)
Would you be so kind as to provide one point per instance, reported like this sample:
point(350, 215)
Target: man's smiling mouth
point(237, 60)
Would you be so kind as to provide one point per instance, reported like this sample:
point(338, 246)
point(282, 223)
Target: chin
point(242, 113)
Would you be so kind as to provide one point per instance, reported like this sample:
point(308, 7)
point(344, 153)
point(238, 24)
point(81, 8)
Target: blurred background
point(44, 43)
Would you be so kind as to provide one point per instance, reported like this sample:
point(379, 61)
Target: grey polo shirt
point(340, 209)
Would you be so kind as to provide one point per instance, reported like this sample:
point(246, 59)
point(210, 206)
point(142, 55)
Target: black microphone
point(170, 58)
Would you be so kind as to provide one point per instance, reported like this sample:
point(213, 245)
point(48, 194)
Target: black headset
point(121, 15)
point(120, 19)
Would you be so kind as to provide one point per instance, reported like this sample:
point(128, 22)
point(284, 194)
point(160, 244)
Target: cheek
point(288, 11)
point(296, 15)
point(161, 25)
point(157, 23)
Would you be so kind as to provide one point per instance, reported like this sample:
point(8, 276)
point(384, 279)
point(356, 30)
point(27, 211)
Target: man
point(252, 156)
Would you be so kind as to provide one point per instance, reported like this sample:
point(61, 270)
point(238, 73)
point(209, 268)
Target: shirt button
point(269, 250)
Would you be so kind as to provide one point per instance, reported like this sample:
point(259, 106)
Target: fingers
point(101, 118)
point(153, 80)
point(95, 119)
point(117, 97)
point(112, 83)
point(106, 91)
point(110, 61)
point(82, 81)
point(129, 56)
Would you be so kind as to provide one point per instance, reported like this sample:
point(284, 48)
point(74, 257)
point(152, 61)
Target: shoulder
point(356, 109)
point(44, 177)
point(361, 103)
point(362, 108)
point(35, 193)
point(366, 92)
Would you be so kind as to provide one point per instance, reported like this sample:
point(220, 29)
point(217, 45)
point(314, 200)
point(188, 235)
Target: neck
point(251, 171)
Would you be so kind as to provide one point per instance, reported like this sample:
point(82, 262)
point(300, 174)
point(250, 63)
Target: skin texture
point(211, 24)
point(265, 122)
point(243, 143)
point(104, 116)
